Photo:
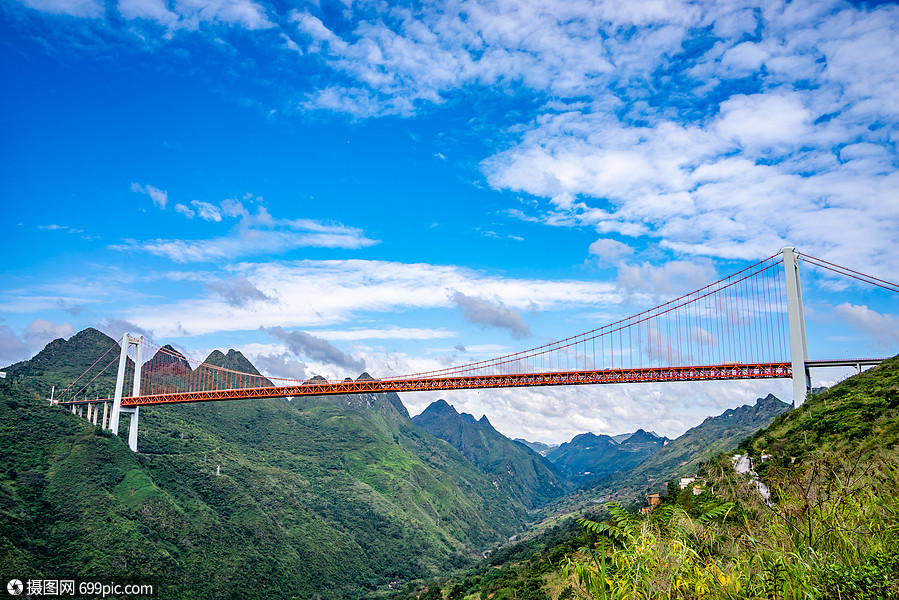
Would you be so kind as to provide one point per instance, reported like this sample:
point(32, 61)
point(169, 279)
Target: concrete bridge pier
point(117, 409)
point(802, 381)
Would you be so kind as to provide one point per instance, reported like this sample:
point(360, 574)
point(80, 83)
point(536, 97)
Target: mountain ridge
point(326, 496)
point(513, 467)
point(589, 456)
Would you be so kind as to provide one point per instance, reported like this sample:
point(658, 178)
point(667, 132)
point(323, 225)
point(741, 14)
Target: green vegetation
point(831, 533)
point(830, 530)
point(334, 497)
point(345, 497)
point(512, 467)
point(859, 418)
point(683, 456)
point(527, 570)
point(61, 362)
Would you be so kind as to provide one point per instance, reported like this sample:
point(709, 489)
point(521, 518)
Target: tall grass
point(831, 530)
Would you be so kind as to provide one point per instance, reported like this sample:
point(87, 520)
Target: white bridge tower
point(802, 382)
point(127, 341)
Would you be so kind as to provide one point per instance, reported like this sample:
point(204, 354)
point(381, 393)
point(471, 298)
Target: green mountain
point(327, 496)
point(588, 456)
point(63, 361)
point(682, 456)
point(858, 417)
point(235, 361)
point(512, 467)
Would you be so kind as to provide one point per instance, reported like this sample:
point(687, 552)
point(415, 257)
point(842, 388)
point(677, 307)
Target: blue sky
point(335, 185)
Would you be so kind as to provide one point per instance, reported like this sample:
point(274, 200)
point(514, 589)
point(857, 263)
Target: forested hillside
point(829, 530)
point(329, 496)
point(858, 417)
point(512, 467)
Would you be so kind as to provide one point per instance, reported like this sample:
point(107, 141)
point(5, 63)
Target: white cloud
point(673, 279)
point(12, 347)
point(883, 328)
point(207, 211)
point(154, 10)
point(313, 294)
point(765, 121)
point(734, 170)
point(610, 251)
point(91, 9)
point(190, 14)
point(158, 196)
point(389, 333)
point(40, 332)
point(255, 234)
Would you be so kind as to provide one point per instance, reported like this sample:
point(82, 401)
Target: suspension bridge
point(749, 325)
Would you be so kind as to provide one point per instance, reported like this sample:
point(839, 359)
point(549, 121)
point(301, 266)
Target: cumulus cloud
point(12, 348)
point(205, 210)
point(40, 332)
point(883, 328)
point(190, 14)
point(610, 251)
point(159, 197)
point(153, 10)
point(491, 313)
point(760, 122)
point(750, 149)
point(316, 348)
point(740, 175)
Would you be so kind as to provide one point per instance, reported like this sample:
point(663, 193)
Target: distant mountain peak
point(588, 456)
point(439, 407)
point(642, 436)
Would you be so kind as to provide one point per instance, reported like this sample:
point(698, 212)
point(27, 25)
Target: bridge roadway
point(635, 375)
point(726, 371)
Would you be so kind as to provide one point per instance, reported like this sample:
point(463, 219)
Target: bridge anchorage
point(749, 325)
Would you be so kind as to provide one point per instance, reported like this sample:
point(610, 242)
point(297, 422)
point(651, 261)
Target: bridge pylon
point(802, 381)
point(127, 341)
